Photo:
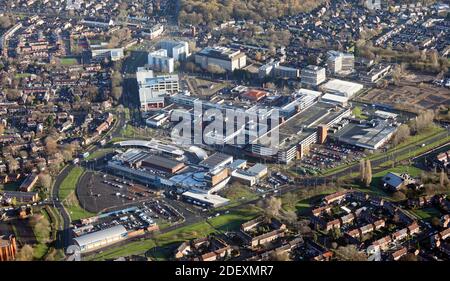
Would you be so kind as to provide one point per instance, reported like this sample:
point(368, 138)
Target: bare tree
point(279, 256)
point(423, 121)
point(362, 170)
point(350, 253)
point(13, 164)
point(443, 179)
point(25, 253)
point(51, 146)
point(368, 173)
point(403, 132)
point(271, 207)
point(45, 180)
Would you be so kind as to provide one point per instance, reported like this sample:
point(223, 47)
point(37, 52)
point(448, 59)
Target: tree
point(423, 121)
point(403, 132)
point(116, 93)
point(271, 207)
point(279, 256)
point(409, 257)
point(398, 196)
point(435, 221)
point(45, 180)
point(5, 22)
point(368, 173)
point(51, 146)
point(350, 253)
point(215, 69)
point(25, 253)
point(362, 170)
point(443, 179)
point(13, 164)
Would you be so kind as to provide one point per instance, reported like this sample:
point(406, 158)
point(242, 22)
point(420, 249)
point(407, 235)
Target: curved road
point(64, 237)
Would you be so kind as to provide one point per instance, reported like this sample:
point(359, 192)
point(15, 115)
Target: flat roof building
point(152, 90)
point(178, 50)
point(225, 58)
point(160, 61)
point(100, 239)
point(342, 88)
point(313, 75)
point(205, 198)
point(216, 160)
point(162, 163)
point(369, 136)
point(340, 63)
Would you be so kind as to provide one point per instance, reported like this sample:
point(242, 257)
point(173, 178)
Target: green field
point(99, 153)
point(68, 197)
point(69, 184)
point(68, 61)
point(426, 213)
point(22, 75)
point(236, 192)
point(357, 111)
point(234, 219)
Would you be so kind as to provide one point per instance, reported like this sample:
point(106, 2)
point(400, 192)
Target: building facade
point(313, 75)
point(225, 58)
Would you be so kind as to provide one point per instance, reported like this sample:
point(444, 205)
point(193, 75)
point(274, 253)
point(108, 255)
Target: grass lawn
point(114, 140)
point(99, 153)
point(68, 197)
point(234, 219)
point(426, 213)
point(138, 247)
point(303, 206)
point(75, 211)
point(22, 75)
point(357, 111)
point(68, 61)
point(375, 187)
point(69, 184)
point(236, 192)
point(411, 170)
point(302, 199)
point(42, 232)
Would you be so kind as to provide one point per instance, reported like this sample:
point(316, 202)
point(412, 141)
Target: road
point(64, 236)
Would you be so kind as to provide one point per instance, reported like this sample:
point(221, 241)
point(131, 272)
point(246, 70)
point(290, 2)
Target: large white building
point(340, 63)
point(113, 54)
point(160, 61)
point(178, 50)
point(154, 31)
point(225, 58)
point(153, 89)
point(276, 70)
point(342, 88)
point(313, 75)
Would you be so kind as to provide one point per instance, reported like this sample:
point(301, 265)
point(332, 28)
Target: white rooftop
point(214, 200)
point(343, 88)
point(97, 236)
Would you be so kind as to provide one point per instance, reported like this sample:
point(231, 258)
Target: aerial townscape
point(224, 130)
